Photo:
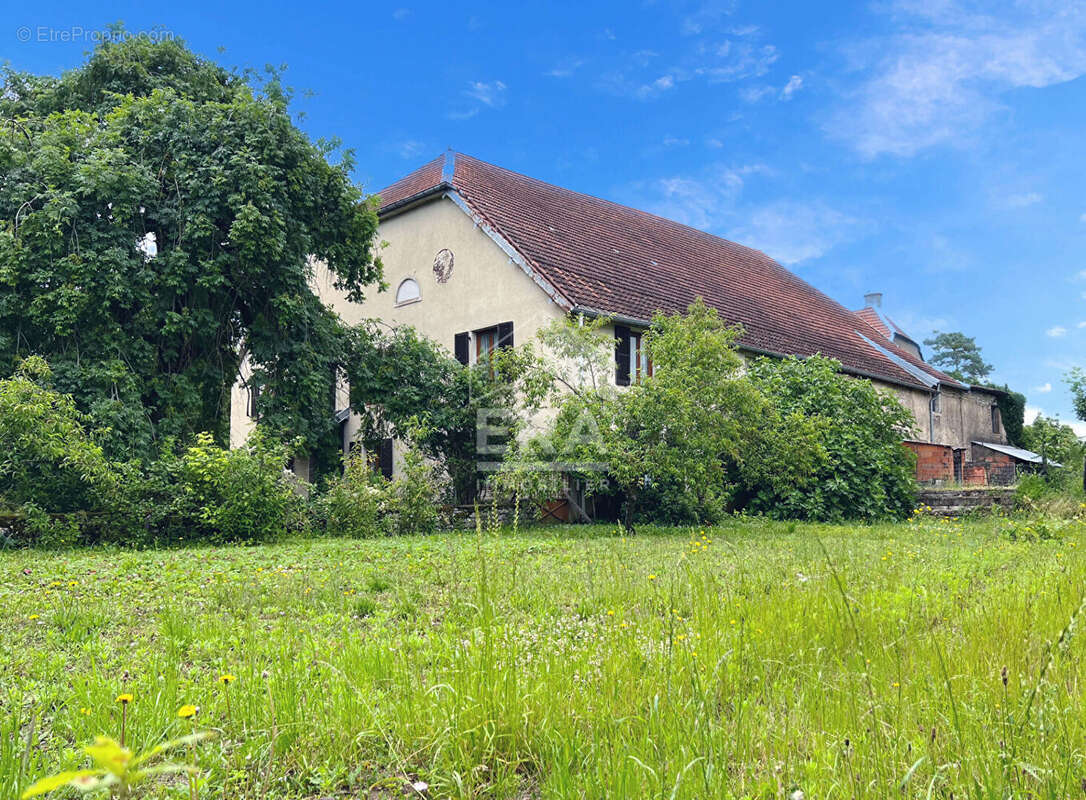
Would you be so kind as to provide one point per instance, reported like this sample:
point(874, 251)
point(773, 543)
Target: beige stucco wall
point(241, 424)
point(963, 417)
point(484, 289)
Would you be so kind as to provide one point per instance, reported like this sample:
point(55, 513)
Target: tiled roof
point(872, 318)
point(617, 260)
point(887, 327)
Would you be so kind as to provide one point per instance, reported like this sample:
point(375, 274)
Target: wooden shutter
point(460, 348)
point(505, 334)
point(386, 458)
point(622, 355)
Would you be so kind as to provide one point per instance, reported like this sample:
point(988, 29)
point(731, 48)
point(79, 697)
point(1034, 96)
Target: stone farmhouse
point(480, 257)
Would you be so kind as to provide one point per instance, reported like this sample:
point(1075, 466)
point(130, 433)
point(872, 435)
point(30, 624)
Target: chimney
point(873, 300)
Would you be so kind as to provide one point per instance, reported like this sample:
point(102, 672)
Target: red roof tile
point(610, 258)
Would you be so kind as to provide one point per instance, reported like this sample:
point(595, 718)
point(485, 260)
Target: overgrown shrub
point(363, 503)
point(224, 495)
point(48, 457)
point(354, 503)
point(867, 473)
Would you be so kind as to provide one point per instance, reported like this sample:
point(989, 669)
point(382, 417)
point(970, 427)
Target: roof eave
point(596, 313)
point(407, 203)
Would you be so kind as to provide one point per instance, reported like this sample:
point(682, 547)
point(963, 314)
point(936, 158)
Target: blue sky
point(934, 150)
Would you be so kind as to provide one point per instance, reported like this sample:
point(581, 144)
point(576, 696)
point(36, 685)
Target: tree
point(159, 218)
point(682, 437)
point(1076, 380)
point(406, 386)
point(1051, 438)
point(959, 356)
point(866, 473)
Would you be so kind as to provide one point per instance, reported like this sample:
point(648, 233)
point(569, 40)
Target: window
point(472, 347)
point(640, 363)
point(995, 419)
point(408, 292)
point(485, 343)
point(254, 396)
point(632, 362)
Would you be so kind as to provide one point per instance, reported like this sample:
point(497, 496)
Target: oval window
point(408, 292)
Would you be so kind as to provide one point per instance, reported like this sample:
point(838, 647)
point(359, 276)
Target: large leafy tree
point(159, 217)
point(959, 355)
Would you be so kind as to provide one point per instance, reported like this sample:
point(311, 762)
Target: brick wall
point(934, 462)
point(999, 468)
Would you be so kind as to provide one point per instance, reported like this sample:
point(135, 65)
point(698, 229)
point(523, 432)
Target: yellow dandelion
point(227, 678)
point(34, 616)
point(610, 612)
point(652, 577)
point(187, 711)
point(124, 699)
point(85, 711)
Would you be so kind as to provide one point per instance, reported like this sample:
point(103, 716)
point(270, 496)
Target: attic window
point(408, 292)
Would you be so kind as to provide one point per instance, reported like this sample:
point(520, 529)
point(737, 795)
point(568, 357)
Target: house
point(479, 256)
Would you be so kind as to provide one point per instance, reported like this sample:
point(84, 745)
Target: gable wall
point(485, 286)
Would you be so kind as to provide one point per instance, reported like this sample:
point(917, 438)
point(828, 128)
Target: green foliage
point(117, 772)
point(1076, 382)
point(239, 495)
point(959, 356)
point(1012, 410)
point(401, 381)
point(866, 473)
point(684, 439)
point(148, 142)
point(354, 502)
point(48, 458)
point(362, 503)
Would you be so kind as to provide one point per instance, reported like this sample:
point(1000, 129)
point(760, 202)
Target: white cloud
point(941, 74)
point(410, 148)
point(788, 231)
point(1081, 324)
point(1082, 218)
point(1022, 200)
point(491, 94)
point(1056, 331)
point(753, 94)
point(1044, 388)
point(711, 59)
point(647, 91)
point(400, 14)
point(795, 83)
point(675, 141)
point(565, 69)
point(792, 232)
point(1082, 275)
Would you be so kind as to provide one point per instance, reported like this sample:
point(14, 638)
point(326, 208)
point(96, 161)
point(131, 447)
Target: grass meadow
point(931, 659)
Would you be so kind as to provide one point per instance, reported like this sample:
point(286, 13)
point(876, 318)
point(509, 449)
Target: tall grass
point(751, 660)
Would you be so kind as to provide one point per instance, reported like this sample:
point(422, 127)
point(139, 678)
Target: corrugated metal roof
point(1017, 452)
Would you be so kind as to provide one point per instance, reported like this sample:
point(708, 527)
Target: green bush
point(354, 503)
point(48, 458)
point(238, 495)
point(363, 503)
point(867, 473)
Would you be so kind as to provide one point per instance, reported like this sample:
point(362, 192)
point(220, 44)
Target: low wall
point(955, 502)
